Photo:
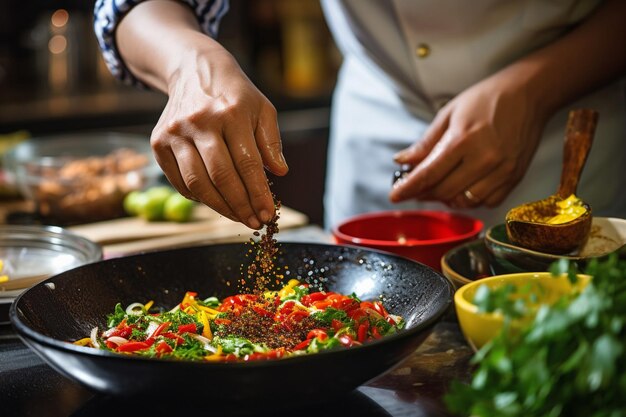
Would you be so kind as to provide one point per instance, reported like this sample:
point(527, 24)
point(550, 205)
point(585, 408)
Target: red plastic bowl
point(424, 236)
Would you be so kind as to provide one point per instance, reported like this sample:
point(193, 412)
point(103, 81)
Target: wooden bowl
point(524, 228)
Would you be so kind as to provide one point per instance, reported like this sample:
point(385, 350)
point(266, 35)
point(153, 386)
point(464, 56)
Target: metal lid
point(33, 253)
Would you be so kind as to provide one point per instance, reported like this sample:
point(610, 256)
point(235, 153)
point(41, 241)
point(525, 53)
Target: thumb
point(419, 150)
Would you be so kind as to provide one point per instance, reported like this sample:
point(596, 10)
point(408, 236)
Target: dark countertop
point(29, 387)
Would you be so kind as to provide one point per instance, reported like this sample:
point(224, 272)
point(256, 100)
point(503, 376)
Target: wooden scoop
point(528, 225)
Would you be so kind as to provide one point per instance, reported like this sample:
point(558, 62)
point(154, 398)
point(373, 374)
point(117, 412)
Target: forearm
point(588, 57)
point(156, 37)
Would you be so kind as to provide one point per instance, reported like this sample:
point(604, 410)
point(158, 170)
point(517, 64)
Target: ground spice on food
point(260, 329)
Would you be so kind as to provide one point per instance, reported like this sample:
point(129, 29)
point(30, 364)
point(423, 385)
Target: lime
point(154, 202)
point(159, 192)
point(132, 202)
point(177, 208)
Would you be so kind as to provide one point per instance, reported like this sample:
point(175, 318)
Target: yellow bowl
point(479, 328)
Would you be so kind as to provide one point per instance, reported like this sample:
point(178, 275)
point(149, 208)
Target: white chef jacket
point(403, 60)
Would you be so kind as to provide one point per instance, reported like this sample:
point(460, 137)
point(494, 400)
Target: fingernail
point(283, 160)
point(265, 216)
point(254, 223)
point(400, 157)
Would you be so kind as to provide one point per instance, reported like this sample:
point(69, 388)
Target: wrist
point(528, 79)
point(197, 55)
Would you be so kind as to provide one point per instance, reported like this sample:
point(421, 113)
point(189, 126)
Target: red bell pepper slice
point(378, 306)
point(262, 312)
point(162, 327)
point(287, 307)
point(132, 346)
point(163, 347)
point(276, 353)
point(356, 314)
point(348, 304)
point(322, 304)
point(225, 322)
point(187, 328)
point(336, 324)
point(297, 316)
point(256, 356)
point(319, 333)
point(302, 345)
point(376, 333)
point(307, 299)
point(179, 340)
point(362, 331)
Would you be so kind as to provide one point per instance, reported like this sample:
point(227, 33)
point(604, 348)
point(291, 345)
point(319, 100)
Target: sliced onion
point(206, 342)
point(135, 309)
point(175, 309)
point(109, 332)
point(94, 338)
point(117, 340)
point(152, 328)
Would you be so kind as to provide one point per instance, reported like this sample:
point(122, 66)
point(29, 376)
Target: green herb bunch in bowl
point(568, 360)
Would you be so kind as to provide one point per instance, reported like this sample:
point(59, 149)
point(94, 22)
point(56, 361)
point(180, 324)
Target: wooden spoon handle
point(581, 126)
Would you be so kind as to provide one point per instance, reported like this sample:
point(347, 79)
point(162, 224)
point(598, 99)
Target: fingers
point(185, 170)
point(489, 191)
point(415, 153)
point(268, 141)
point(475, 166)
point(205, 169)
point(440, 162)
point(460, 172)
point(247, 162)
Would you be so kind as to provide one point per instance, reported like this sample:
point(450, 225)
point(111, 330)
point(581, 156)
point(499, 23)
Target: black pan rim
point(29, 335)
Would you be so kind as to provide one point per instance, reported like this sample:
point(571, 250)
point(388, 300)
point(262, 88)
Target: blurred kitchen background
point(53, 80)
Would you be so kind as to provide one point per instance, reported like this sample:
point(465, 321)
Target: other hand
point(477, 148)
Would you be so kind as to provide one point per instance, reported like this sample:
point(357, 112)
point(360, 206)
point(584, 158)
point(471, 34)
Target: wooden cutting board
point(132, 234)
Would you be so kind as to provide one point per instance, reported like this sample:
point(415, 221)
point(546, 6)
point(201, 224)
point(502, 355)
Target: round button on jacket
point(422, 50)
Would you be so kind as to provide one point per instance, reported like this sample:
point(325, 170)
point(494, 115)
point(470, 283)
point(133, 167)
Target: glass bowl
point(30, 254)
point(80, 178)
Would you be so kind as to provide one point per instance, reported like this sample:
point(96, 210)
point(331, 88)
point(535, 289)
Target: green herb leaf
point(569, 361)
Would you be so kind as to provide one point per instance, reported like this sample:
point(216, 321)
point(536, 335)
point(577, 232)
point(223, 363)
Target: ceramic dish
point(607, 235)
point(422, 235)
point(471, 261)
point(480, 327)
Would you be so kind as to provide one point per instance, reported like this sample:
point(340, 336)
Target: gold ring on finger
point(471, 197)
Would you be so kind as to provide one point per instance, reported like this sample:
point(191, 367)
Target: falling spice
point(257, 320)
point(263, 268)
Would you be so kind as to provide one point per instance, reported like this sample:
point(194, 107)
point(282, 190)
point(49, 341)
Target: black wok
point(67, 306)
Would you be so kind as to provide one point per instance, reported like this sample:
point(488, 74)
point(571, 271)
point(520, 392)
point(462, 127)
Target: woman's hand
point(216, 134)
point(217, 131)
point(477, 148)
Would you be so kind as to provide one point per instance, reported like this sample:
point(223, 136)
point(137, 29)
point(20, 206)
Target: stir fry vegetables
point(245, 327)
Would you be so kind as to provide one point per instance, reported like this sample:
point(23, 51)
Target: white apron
point(387, 94)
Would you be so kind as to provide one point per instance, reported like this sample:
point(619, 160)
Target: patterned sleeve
point(108, 13)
